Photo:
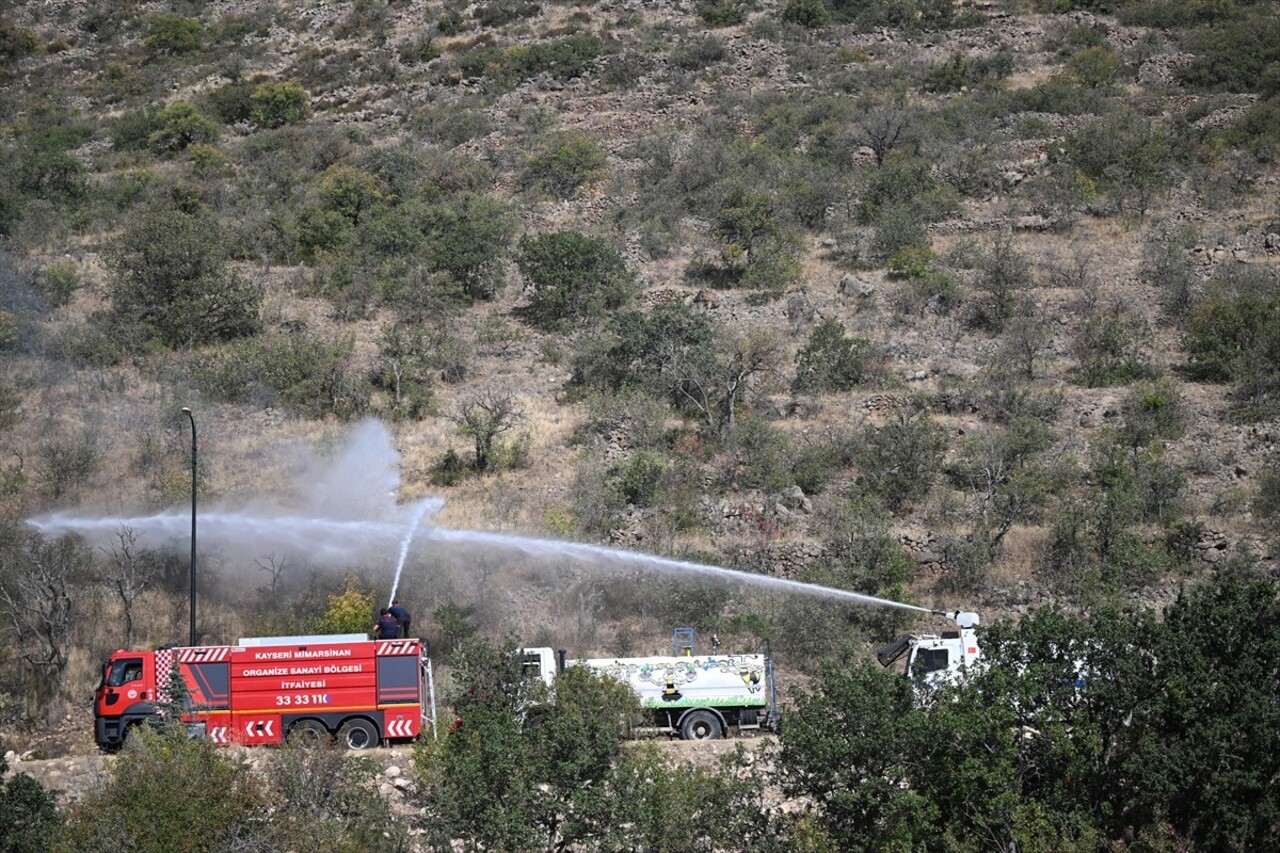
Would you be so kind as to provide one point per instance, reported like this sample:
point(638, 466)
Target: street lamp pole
point(192, 418)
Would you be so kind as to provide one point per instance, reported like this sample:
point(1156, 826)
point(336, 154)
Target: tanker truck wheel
point(701, 725)
point(358, 734)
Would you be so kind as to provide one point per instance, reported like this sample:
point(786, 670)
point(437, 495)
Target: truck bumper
point(108, 732)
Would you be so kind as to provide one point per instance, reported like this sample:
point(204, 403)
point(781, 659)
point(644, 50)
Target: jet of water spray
point(346, 510)
point(596, 553)
point(415, 518)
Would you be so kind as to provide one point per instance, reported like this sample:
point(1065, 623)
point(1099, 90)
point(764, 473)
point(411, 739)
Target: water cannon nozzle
point(962, 618)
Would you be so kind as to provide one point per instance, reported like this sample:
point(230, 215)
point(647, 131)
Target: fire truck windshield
point(124, 671)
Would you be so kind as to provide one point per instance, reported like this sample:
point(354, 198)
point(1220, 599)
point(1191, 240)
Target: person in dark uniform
point(402, 616)
point(387, 627)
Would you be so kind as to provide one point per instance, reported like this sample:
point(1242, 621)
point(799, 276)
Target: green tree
point(1112, 348)
point(29, 819)
point(900, 460)
point(572, 277)
point(1126, 154)
point(171, 33)
point(348, 612)
point(832, 361)
point(278, 104)
point(517, 770)
point(166, 786)
point(179, 126)
point(563, 165)
point(846, 746)
point(170, 276)
point(468, 237)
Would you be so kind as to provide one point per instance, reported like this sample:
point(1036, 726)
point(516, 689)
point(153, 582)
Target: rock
point(851, 285)
point(401, 783)
point(391, 772)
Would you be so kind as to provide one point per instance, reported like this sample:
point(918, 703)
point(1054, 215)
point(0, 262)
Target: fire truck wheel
point(358, 734)
point(308, 732)
point(701, 725)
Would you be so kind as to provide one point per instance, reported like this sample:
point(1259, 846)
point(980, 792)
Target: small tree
point(832, 361)
point(39, 586)
point(349, 612)
point(128, 574)
point(278, 104)
point(29, 818)
point(171, 33)
point(562, 166)
point(483, 419)
point(572, 277)
point(901, 460)
point(170, 275)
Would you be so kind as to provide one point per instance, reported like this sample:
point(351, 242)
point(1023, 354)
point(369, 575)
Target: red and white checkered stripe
point(164, 665)
point(397, 647)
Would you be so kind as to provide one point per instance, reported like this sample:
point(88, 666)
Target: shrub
point(171, 33)
point(1004, 274)
point(962, 71)
point(1128, 155)
point(169, 787)
point(277, 104)
point(1233, 56)
point(572, 277)
point(811, 14)
point(170, 275)
point(908, 182)
point(301, 373)
point(1112, 348)
point(179, 126)
point(1153, 410)
point(29, 818)
point(722, 13)
point(15, 42)
point(563, 165)
point(831, 361)
point(348, 612)
point(698, 54)
point(900, 461)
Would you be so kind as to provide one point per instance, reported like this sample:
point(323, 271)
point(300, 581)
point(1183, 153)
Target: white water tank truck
point(937, 659)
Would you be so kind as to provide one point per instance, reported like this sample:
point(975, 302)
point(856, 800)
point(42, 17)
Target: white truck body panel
point(704, 681)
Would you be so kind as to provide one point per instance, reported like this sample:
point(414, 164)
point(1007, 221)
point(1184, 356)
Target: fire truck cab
point(265, 690)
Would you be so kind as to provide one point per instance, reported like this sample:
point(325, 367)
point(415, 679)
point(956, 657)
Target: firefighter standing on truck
point(402, 616)
point(387, 627)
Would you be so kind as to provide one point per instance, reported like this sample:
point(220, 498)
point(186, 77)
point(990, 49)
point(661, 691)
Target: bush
point(179, 126)
point(170, 275)
point(29, 819)
point(1112, 348)
point(171, 33)
point(572, 277)
point(15, 42)
point(1127, 155)
point(722, 13)
point(810, 14)
point(564, 165)
point(301, 373)
point(831, 361)
point(900, 461)
point(1004, 274)
point(277, 104)
point(1233, 56)
point(168, 790)
point(698, 54)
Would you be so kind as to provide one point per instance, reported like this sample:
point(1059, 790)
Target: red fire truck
point(265, 690)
